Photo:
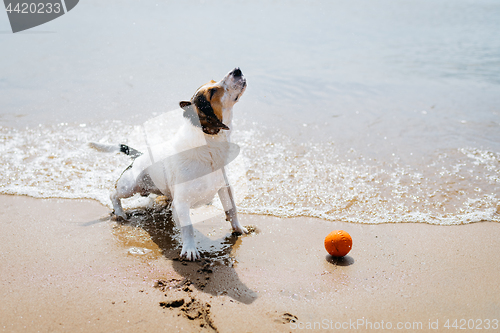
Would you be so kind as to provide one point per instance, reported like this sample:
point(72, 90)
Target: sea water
point(360, 111)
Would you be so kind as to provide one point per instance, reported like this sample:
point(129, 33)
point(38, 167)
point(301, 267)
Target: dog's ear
point(183, 104)
point(213, 125)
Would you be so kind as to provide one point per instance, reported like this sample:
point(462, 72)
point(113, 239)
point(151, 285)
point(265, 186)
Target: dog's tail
point(117, 148)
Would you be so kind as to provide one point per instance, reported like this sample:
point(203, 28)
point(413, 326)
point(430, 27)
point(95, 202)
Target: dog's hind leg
point(117, 205)
point(125, 188)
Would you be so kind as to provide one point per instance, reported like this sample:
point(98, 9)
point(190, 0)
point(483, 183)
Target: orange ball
point(338, 243)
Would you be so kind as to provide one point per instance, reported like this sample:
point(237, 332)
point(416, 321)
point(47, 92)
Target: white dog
point(189, 169)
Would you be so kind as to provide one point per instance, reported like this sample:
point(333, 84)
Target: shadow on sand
point(213, 274)
point(340, 261)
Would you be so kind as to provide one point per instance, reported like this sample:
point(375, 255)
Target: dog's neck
point(227, 119)
point(227, 115)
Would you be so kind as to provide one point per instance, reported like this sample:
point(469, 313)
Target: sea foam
point(272, 175)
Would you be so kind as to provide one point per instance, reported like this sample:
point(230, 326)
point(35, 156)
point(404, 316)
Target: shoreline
point(67, 267)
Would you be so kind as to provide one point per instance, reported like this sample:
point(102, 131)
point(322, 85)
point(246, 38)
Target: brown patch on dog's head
point(207, 112)
point(213, 94)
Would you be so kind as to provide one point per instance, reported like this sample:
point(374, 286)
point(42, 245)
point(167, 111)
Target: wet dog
point(189, 169)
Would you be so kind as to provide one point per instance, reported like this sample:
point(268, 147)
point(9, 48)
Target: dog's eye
point(212, 92)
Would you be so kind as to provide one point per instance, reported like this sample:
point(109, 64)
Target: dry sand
point(66, 267)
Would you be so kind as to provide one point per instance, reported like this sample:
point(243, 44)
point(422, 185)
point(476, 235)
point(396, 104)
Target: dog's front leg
point(181, 216)
point(226, 197)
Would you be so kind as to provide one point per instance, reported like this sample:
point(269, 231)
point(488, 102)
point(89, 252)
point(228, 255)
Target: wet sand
point(67, 267)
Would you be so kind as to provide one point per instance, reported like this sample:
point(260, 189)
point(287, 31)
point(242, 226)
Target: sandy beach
point(380, 118)
point(67, 267)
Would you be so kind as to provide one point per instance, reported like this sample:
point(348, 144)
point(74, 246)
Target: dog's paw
point(119, 214)
point(190, 253)
point(119, 218)
point(240, 230)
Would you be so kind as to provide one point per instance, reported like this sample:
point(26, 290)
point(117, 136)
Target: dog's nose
point(236, 72)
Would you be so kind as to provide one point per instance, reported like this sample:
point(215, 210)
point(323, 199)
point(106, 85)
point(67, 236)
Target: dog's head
point(211, 101)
